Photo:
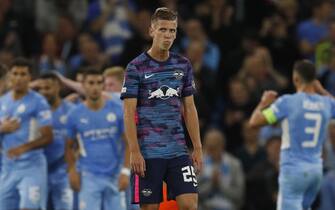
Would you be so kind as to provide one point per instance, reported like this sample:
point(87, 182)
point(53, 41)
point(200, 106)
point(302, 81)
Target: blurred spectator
point(204, 81)
point(259, 74)
point(195, 32)
point(217, 17)
point(262, 181)
point(108, 20)
point(48, 13)
point(140, 41)
point(221, 184)
point(237, 108)
point(49, 60)
point(313, 30)
point(234, 59)
point(251, 153)
point(281, 45)
point(329, 150)
point(326, 74)
point(288, 9)
point(6, 57)
point(66, 35)
point(89, 55)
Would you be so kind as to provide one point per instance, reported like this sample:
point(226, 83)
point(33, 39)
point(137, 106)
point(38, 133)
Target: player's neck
point(19, 94)
point(95, 104)
point(306, 88)
point(158, 54)
point(56, 103)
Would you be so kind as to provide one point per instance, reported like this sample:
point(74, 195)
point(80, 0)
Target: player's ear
point(151, 30)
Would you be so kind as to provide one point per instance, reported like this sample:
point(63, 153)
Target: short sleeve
point(189, 85)
point(43, 113)
point(131, 82)
point(277, 111)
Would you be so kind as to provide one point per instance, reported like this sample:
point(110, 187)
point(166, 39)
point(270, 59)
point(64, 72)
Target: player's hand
point(123, 182)
point(197, 160)
point(9, 125)
point(269, 97)
point(74, 178)
point(137, 163)
point(16, 152)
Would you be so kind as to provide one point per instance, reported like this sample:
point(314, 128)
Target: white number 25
point(189, 175)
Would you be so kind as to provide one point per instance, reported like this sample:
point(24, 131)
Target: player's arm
point(192, 124)
point(70, 158)
point(43, 140)
point(125, 171)
point(260, 115)
point(73, 85)
point(137, 162)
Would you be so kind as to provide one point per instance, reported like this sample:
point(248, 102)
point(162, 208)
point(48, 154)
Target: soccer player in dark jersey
point(159, 88)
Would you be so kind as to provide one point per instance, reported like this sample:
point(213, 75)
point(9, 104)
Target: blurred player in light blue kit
point(97, 125)
point(25, 129)
point(304, 118)
point(60, 195)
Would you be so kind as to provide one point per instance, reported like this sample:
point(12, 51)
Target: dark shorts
point(178, 173)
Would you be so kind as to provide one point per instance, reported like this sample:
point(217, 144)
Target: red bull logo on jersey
point(164, 92)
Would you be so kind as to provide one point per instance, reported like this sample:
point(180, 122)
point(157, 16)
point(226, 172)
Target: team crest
point(178, 74)
point(146, 192)
point(62, 119)
point(111, 117)
point(21, 108)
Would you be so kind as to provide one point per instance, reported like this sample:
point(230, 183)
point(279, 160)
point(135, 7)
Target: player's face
point(19, 78)
point(93, 86)
point(49, 89)
point(112, 84)
point(163, 33)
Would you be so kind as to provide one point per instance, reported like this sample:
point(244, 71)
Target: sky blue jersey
point(55, 151)
point(99, 136)
point(304, 119)
point(33, 112)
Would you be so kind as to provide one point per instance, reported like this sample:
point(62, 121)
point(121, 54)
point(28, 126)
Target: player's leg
point(147, 191)
point(291, 190)
point(112, 197)
point(181, 181)
point(315, 179)
point(62, 194)
point(9, 197)
point(90, 195)
point(33, 187)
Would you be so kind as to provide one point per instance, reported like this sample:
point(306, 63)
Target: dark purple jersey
point(159, 88)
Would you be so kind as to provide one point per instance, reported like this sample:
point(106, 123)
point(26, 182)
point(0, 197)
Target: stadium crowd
point(238, 49)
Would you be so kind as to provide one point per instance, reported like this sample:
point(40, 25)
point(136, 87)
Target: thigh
point(33, 188)
point(315, 179)
point(9, 196)
point(291, 190)
point(180, 177)
point(112, 197)
point(148, 189)
point(61, 195)
point(90, 195)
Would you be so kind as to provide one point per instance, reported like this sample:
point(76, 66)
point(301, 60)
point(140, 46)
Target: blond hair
point(116, 71)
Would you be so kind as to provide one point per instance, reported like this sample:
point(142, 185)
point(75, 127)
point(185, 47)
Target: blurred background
point(238, 49)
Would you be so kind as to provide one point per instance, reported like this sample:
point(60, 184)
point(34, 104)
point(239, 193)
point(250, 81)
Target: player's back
point(304, 125)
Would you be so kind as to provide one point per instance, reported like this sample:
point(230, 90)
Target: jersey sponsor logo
point(146, 192)
point(147, 76)
point(164, 92)
point(111, 117)
point(178, 74)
